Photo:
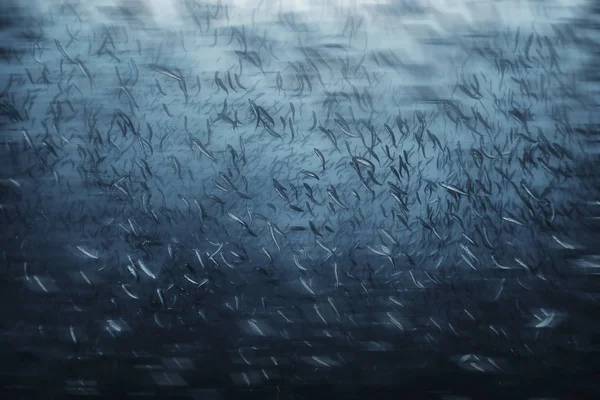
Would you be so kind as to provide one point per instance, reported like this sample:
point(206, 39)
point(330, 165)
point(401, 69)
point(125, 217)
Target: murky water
point(299, 198)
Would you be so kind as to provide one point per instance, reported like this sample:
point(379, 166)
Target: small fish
point(145, 269)
point(310, 174)
point(87, 253)
point(334, 196)
point(254, 325)
point(128, 292)
point(297, 263)
point(308, 288)
point(454, 189)
point(321, 157)
point(166, 71)
point(313, 229)
point(563, 244)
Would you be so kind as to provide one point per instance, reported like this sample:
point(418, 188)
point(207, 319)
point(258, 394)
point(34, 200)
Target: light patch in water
point(444, 14)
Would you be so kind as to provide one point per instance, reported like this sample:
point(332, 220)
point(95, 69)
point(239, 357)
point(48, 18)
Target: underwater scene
point(299, 199)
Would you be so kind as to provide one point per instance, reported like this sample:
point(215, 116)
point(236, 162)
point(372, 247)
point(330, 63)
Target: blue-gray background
point(159, 239)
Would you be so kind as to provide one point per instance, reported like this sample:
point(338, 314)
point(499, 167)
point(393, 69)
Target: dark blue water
point(299, 200)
